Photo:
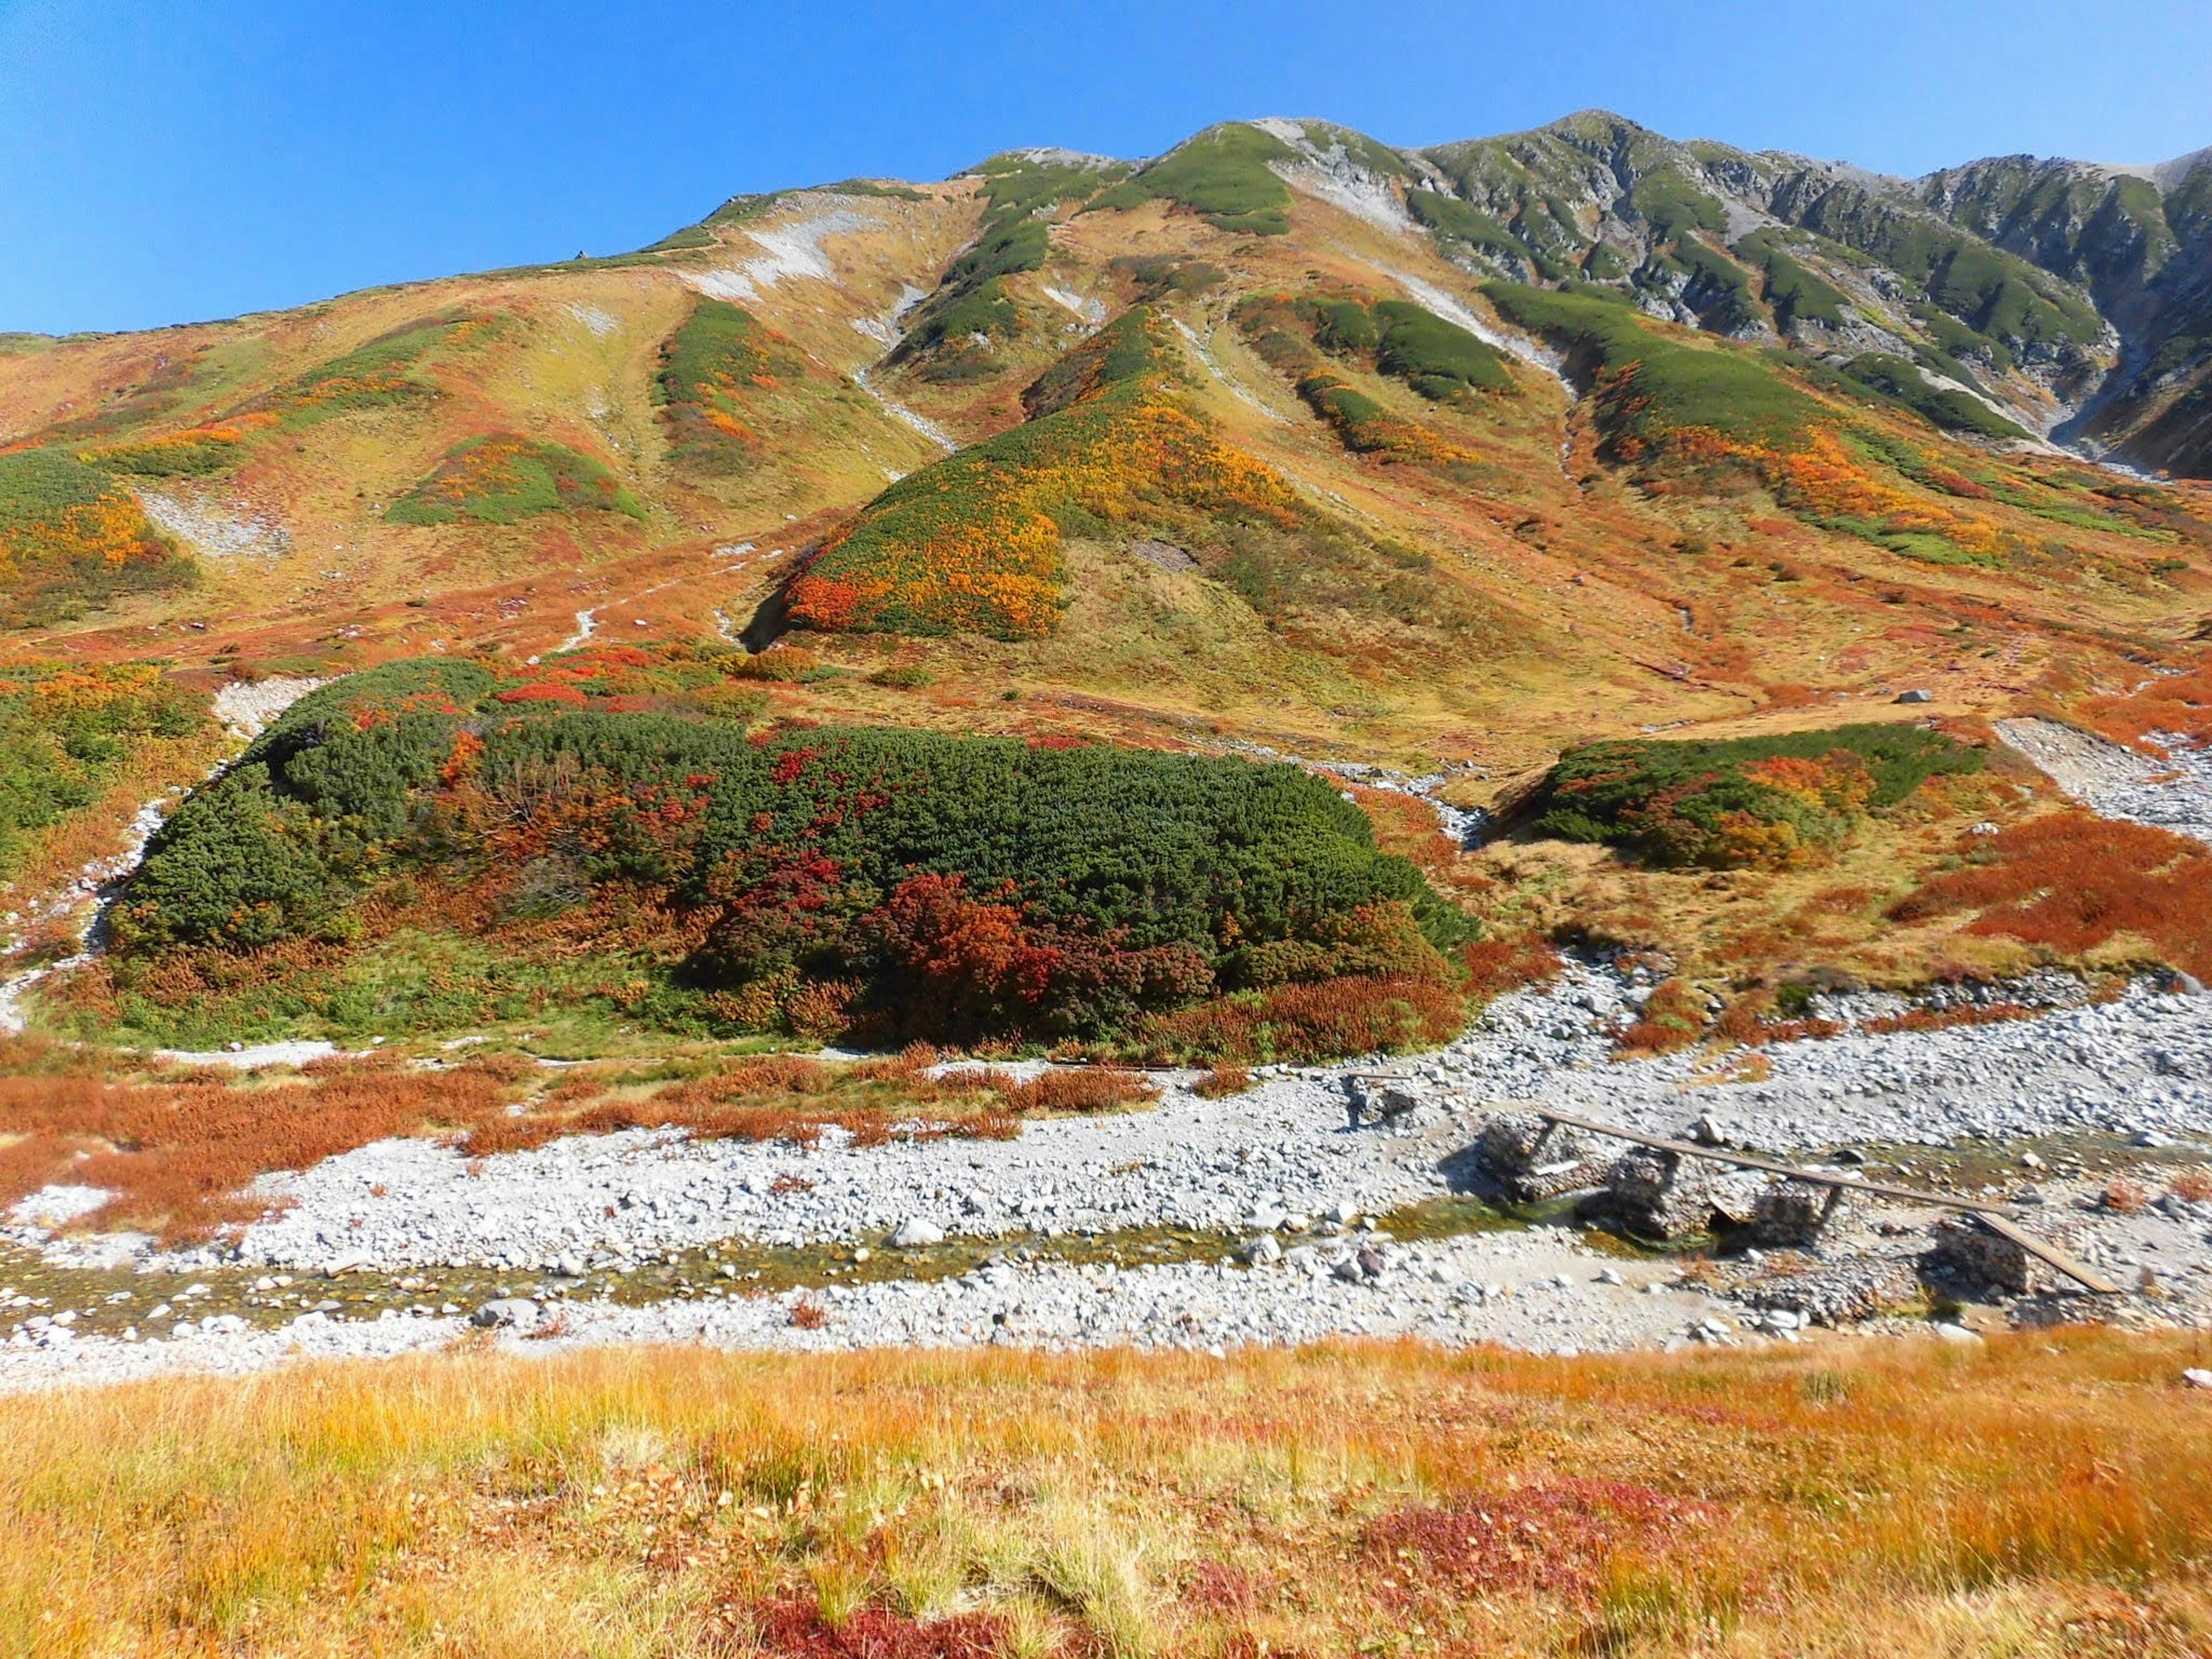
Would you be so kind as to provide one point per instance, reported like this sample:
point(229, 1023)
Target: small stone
point(2197, 1377)
point(1958, 1334)
point(1345, 1213)
point(1608, 1276)
point(1262, 1249)
point(1370, 1262)
point(1915, 697)
point(2030, 1161)
point(1348, 1270)
point(916, 1233)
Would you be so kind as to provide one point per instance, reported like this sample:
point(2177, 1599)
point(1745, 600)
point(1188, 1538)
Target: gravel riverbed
point(1281, 1160)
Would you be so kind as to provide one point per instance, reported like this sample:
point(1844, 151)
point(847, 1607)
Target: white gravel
point(2172, 794)
point(1526, 1289)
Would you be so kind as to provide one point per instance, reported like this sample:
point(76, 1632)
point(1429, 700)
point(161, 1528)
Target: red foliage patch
point(796, 1630)
point(543, 693)
point(2071, 882)
point(1506, 963)
point(1556, 1537)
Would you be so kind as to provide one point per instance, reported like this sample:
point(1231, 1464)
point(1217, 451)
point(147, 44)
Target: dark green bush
point(1795, 293)
point(1902, 382)
point(1655, 387)
point(1438, 358)
point(502, 477)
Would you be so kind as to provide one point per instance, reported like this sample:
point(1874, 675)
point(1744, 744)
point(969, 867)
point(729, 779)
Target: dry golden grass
point(2050, 1495)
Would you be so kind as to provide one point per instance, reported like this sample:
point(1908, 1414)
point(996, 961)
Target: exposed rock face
point(2078, 296)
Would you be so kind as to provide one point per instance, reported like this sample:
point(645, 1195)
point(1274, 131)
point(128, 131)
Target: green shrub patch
point(910, 883)
point(502, 477)
point(1739, 802)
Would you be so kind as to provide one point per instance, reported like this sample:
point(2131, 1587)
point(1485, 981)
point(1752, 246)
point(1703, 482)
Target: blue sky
point(164, 163)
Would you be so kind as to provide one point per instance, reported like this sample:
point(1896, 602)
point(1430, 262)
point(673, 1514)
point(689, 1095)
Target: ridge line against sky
point(168, 162)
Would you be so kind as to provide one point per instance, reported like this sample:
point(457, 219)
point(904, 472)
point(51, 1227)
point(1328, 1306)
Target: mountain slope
point(1286, 440)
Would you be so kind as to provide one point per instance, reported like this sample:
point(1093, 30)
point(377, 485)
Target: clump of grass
point(792, 1097)
point(2192, 1186)
point(1219, 1082)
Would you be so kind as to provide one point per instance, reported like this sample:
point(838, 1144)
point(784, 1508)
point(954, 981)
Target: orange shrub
point(1497, 963)
point(1674, 1018)
point(1221, 1082)
point(1316, 1020)
point(174, 1154)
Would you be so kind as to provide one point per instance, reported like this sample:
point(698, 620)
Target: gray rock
point(1709, 1130)
point(1972, 1253)
point(517, 1313)
point(915, 1233)
point(1262, 1249)
point(1791, 1214)
point(1915, 696)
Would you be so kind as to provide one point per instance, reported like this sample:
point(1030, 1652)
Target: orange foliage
point(173, 1154)
point(794, 1097)
point(972, 543)
point(1505, 962)
point(110, 530)
point(2178, 704)
point(2071, 882)
point(1824, 478)
point(1674, 1018)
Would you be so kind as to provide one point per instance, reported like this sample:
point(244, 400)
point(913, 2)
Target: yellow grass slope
point(2048, 1496)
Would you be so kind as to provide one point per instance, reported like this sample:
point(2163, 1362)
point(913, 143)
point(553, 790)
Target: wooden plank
point(1748, 1161)
point(1991, 1216)
point(2048, 1253)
